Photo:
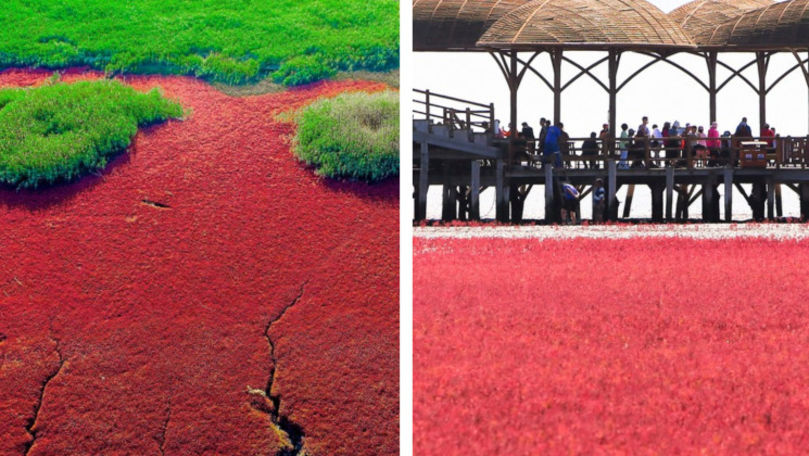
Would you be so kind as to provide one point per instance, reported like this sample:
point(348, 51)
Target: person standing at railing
point(498, 132)
point(543, 133)
point(643, 128)
point(713, 143)
point(623, 146)
point(727, 147)
point(564, 145)
point(528, 136)
point(657, 140)
point(690, 141)
point(590, 149)
point(743, 130)
point(767, 135)
point(701, 148)
point(604, 136)
point(550, 151)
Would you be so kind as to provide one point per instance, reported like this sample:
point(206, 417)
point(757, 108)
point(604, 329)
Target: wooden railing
point(787, 152)
point(455, 113)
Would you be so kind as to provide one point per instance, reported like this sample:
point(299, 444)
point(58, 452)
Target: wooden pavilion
point(516, 32)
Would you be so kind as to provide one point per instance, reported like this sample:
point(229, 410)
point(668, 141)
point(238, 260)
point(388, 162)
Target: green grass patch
point(234, 41)
point(59, 132)
point(353, 136)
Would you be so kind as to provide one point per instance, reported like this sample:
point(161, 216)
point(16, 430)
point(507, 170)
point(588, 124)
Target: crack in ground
point(294, 446)
point(29, 427)
point(161, 438)
point(156, 204)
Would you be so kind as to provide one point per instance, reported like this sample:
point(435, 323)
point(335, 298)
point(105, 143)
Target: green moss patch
point(58, 132)
point(352, 136)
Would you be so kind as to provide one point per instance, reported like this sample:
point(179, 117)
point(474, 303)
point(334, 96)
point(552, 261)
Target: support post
point(708, 195)
point(804, 196)
point(474, 191)
point(550, 208)
point(757, 200)
point(728, 178)
point(513, 86)
point(613, 62)
point(424, 183)
point(779, 203)
point(669, 192)
point(711, 58)
point(449, 203)
point(612, 189)
point(770, 199)
point(556, 62)
point(501, 197)
point(763, 63)
point(657, 202)
point(630, 195)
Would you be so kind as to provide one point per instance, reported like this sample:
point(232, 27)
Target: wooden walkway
point(455, 149)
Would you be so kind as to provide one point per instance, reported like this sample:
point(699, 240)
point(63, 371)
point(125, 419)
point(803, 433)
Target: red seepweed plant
point(138, 306)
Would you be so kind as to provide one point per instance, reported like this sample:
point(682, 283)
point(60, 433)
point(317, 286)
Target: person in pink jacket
point(714, 144)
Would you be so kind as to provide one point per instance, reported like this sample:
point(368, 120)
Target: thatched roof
point(440, 25)
point(778, 26)
point(586, 24)
point(700, 16)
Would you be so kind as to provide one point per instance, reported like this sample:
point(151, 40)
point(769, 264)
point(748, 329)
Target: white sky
point(662, 92)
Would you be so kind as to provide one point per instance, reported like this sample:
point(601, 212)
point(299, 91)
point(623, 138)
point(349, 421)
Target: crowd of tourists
point(673, 142)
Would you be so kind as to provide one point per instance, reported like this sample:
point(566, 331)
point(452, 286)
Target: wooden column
point(423, 184)
point(728, 178)
point(708, 195)
point(770, 199)
point(630, 195)
point(501, 195)
point(779, 203)
point(612, 189)
point(614, 58)
point(550, 208)
point(556, 62)
point(474, 191)
point(513, 87)
point(449, 200)
point(711, 58)
point(804, 196)
point(669, 192)
point(757, 200)
point(657, 202)
point(763, 63)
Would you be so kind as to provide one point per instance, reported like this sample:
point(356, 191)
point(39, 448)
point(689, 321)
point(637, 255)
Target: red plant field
point(641, 346)
point(138, 306)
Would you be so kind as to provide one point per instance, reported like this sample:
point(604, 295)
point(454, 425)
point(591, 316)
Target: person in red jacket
point(767, 135)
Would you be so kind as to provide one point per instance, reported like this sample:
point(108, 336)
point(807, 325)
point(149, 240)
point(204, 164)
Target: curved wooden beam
point(805, 71)
point(736, 73)
point(503, 69)
point(526, 65)
point(533, 70)
point(661, 58)
point(583, 71)
point(787, 73)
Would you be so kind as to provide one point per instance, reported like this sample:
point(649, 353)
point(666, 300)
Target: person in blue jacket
point(570, 202)
point(551, 152)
